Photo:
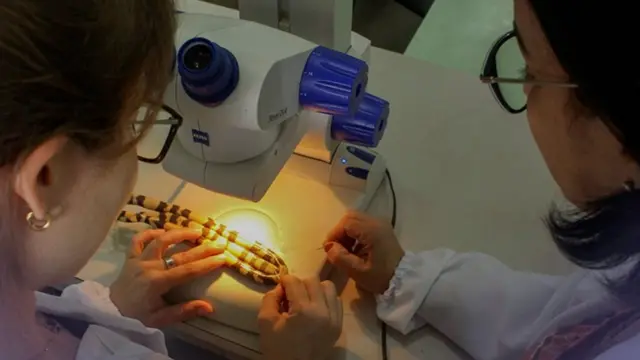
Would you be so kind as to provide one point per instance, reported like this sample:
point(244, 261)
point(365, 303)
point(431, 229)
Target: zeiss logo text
point(279, 115)
point(200, 137)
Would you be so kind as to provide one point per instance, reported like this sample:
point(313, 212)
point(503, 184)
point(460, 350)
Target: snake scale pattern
point(249, 258)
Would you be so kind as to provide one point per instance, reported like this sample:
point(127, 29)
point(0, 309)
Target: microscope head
point(242, 89)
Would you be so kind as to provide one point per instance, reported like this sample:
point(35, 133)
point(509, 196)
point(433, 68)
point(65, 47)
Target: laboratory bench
point(467, 176)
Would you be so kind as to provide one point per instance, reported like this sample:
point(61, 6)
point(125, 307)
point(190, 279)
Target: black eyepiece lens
point(198, 57)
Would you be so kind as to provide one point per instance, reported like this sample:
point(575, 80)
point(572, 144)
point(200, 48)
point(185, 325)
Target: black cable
point(383, 335)
point(393, 198)
point(383, 332)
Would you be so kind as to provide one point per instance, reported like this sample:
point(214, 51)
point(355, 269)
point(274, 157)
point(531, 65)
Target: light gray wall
point(388, 24)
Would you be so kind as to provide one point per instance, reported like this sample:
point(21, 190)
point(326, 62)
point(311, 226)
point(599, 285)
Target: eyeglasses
point(155, 144)
point(504, 72)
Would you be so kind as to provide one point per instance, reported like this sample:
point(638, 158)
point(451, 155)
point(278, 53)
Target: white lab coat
point(489, 310)
point(112, 336)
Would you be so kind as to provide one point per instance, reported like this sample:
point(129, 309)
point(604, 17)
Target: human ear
point(34, 175)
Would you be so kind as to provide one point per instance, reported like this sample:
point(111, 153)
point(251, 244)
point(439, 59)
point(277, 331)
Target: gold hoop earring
point(38, 224)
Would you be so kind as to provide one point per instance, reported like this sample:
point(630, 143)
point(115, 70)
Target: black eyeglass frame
point(490, 73)
point(490, 76)
point(175, 121)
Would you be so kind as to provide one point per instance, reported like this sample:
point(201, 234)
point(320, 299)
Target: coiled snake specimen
point(249, 258)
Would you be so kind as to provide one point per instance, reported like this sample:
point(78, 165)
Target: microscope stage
point(293, 219)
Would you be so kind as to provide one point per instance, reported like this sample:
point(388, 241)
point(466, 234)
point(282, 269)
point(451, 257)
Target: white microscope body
point(276, 124)
point(237, 136)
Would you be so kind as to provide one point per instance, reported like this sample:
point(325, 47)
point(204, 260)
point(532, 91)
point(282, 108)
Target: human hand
point(300, 320)
point(138, 291)
point(367, 249)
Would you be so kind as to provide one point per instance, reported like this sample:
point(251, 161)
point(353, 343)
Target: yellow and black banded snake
point(249, 258)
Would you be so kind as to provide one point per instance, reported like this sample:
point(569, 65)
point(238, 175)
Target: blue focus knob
point(332, 82)
point(366, 127)
point(209, 72)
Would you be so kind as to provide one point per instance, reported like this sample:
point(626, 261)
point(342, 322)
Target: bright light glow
point(252, 225)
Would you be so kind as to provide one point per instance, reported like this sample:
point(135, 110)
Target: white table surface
point(467, 175)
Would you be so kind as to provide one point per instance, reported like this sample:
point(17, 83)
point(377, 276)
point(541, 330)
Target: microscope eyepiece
point(209, 72)
point(198, 57)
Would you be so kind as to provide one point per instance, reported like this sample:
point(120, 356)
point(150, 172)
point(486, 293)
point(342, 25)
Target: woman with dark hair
point(74, 76)
point(580, 89)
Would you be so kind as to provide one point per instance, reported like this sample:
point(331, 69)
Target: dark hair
point(595, 44)
point(77, 68)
